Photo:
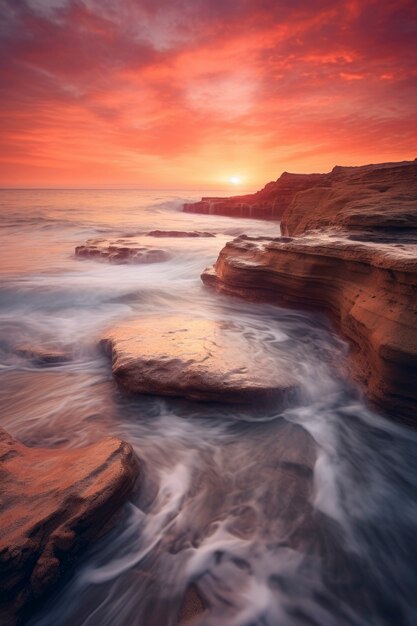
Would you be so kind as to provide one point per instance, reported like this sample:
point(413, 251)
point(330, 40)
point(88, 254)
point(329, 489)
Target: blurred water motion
point(285, 517)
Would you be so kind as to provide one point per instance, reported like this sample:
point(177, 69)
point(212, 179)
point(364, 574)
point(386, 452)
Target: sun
point(235, 180)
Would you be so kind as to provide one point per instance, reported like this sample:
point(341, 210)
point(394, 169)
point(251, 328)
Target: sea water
point(299, 516)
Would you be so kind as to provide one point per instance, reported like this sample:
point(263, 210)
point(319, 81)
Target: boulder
point(196, 358)
point(122, 251)
point(367, 288)
point(53, 503)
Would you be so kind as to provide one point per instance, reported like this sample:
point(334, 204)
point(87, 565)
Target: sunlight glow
point(235, 180)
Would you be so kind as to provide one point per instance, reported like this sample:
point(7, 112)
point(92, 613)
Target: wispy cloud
point(158, 91)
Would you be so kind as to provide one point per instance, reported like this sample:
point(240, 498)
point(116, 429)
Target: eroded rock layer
point(378, 201)
point(368, 289)
point(199, 359)
point(381, 196)
point(268, 203)
point(180, 233)
point(52, 503)
point(124, 250)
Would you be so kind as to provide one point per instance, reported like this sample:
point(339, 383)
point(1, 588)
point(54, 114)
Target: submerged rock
point(195, 358)
point(128, 250)
point(179, 233)
point(54, 502)
point(43, 356)
point(368, 289)
point(193, 606)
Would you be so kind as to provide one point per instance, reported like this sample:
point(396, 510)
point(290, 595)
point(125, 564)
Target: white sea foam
point(298, 517)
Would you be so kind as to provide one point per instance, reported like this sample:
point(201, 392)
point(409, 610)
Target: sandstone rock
point(42, 356)
point(268, 203)
point(127, 250)
point(192, 608)
point(368, 289)
point(179, 233)
point(378, 199)
point(274, 508)
point(53, 502)
point(195, 358)
point(378, 196)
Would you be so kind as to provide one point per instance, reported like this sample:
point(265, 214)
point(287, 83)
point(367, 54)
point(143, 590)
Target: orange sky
point(192, 92)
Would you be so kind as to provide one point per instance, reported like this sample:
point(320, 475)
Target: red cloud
point(162, 92)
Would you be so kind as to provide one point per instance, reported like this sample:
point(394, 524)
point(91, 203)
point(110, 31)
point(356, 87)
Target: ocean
point(213, 508)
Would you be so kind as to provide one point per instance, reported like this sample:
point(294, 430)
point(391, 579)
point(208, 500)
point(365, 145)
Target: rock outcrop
point(374, 201)
point(199, 359)
point(380, 196)
point(121, 251)
point(54, 502)
point(350, 249)
point(180, 233)
point(368, 289)
point(269, 203)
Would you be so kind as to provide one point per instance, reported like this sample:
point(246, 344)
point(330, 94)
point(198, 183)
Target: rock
point(193, 606)
point(351, 250)
point(195, 358)
point(128, 250)
point(54, 502)
point(368, 289)
point(379, 200)
point(352, 198)
point(270, 505)
point(179, 233)
point(42, 356)
point(269, 203)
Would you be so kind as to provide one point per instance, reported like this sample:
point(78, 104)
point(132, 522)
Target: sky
point(196, 93)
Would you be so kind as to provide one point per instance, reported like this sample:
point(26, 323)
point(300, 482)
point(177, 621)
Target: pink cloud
point(158, 91)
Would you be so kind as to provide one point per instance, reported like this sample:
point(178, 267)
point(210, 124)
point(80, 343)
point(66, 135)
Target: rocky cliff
point(358, 264)
point(373, 200)
point(269, 203)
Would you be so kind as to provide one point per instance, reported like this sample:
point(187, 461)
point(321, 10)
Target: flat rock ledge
point(198, 359)
point(180, 233)
point(53, 502)
point(368, 289)
point(121, 251)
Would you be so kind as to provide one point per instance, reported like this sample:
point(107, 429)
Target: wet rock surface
point(42, 356)
point(53, 503)
point(368, 289)
point(179, 233)
point(123, 250)
point(195, 358)
point(192, 608)
point(349, 247)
